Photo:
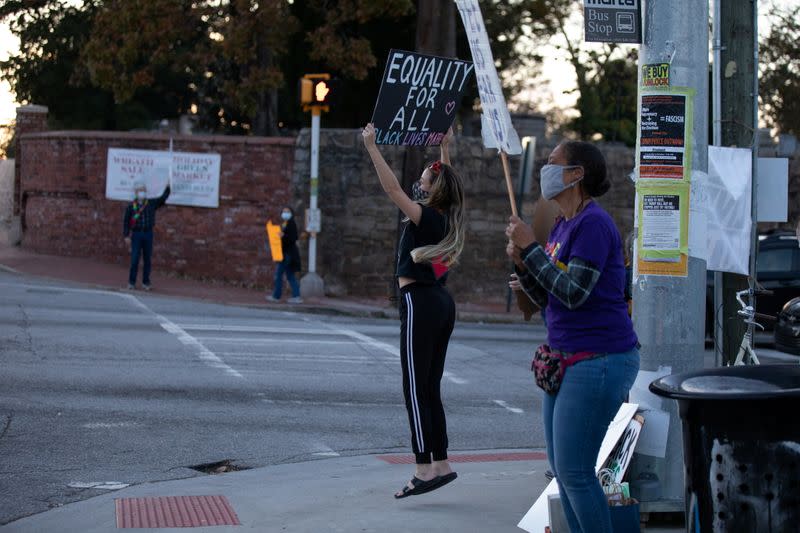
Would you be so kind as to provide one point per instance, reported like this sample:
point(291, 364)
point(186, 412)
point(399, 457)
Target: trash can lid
point(732, 383)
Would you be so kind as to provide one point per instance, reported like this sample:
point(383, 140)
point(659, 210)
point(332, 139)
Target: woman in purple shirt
point(579, 278)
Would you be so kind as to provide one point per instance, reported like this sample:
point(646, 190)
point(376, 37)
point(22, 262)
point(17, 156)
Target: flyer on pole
point(665, 129)
point(664, 164)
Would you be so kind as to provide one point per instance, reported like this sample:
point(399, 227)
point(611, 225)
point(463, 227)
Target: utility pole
point(669, 309)
point(738, 128)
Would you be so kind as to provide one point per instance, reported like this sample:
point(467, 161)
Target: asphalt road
point(101, 387)
point(115, 388)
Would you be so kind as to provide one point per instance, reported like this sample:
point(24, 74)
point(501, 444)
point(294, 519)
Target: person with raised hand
point(431, 243)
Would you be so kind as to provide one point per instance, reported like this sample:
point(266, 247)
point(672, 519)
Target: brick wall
point(65, 211)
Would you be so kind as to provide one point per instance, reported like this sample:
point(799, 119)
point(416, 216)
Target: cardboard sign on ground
point(538, 516)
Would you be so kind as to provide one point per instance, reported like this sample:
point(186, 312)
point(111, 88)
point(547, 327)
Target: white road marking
point(301, 357)
point(251, 329)
point(504, 405)
point(270, 340)
point(327, 403)
point(108, 425)
point(374, 343)
point(104, 485)
point(324, 451)
point(205, 355)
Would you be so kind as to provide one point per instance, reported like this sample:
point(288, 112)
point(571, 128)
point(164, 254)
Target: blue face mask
point(552, 180)
point(286, 216)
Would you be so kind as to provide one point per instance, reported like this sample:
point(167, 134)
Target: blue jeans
point(141, 244)
point(575, 423)
point(284, 267)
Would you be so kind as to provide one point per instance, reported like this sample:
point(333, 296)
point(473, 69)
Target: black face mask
point(417, 194)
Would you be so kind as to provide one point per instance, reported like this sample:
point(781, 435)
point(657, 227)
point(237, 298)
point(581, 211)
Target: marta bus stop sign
point(613, 21)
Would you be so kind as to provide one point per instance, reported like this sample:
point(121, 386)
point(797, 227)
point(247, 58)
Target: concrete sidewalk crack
point(9, 418)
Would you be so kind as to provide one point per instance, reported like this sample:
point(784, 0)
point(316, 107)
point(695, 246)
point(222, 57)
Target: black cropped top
point(431, 230)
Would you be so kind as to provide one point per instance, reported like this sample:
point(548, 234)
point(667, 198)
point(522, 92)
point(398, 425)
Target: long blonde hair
point(446, 195)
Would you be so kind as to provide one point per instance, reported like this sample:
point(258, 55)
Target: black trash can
point(741, 447)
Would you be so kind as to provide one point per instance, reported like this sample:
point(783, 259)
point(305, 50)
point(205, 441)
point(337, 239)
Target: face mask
point(141, 195)
point(417, 194)
point(286, 216)
point(552, 180)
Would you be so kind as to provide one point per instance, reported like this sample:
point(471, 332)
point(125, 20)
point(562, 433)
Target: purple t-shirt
point(601, 324)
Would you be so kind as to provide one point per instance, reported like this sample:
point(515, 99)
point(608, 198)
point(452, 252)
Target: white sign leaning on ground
point(195, 176)
point(495, 117)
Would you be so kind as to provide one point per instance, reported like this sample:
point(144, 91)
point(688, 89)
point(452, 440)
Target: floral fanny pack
point(548, 366)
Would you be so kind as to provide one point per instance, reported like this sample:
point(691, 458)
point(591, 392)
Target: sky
point(558, 75)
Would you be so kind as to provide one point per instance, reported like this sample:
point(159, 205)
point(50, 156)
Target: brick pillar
point(30, 119)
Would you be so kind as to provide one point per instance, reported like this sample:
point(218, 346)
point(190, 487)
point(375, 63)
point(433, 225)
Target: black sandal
point(420, 487)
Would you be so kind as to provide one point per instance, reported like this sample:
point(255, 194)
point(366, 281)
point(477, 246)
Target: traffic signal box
point(316, 92)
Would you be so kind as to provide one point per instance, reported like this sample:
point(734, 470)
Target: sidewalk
point(113, 277)
point(345, 494)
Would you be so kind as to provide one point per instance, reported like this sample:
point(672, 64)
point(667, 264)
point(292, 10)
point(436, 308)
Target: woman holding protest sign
point(593, 358)
point(432, 240)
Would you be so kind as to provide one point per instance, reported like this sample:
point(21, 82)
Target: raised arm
point(161, 200)
point(388, 180)
point(444, 148)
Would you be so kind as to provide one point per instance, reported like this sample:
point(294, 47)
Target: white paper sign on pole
point(773, 189)
point(728, 211)
point(493, 102)
point(194, 176)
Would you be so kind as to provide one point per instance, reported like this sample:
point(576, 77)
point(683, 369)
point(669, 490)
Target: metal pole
point(312, 240)
point(312, 284)
point(717, 328)
point(669, 311)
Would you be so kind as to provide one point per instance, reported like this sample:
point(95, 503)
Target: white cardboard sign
point(773, 189)
point(495, 118)
point(194, 176)
point(538, 516)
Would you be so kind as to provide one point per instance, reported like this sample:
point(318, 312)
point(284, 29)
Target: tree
point(779, 81)
point(606, 83)
point(151, 51)
point(52, 35)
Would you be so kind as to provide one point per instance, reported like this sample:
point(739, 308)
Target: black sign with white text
point(613, 21)
point(419, 98)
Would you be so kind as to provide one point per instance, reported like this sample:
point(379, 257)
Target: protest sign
point(274, 238)
point(495, 111)
point(194, 177)
point(419, 98)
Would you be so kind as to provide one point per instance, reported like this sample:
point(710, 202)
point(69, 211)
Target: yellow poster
point(274, 236)
point(663, 220)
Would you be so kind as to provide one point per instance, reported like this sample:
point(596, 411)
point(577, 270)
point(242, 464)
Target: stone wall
point(65, 211)
point(6, 190)
point(357, 243)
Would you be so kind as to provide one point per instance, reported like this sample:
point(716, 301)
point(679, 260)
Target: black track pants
point(427, 317)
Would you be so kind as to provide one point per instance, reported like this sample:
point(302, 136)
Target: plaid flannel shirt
point(542, 278)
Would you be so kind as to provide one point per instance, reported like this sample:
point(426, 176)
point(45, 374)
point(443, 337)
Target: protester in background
point(580, 276)
point(137, 228)
point(432, 240)
point(291, 259)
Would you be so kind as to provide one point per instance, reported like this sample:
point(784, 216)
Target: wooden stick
point(511, 196)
